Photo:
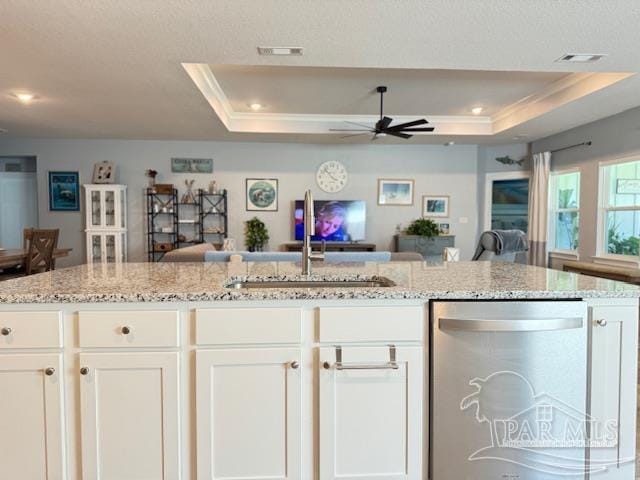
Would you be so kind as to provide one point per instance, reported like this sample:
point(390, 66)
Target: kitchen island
point(162, 371)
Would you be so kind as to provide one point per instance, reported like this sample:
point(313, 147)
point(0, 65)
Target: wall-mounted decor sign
point(104, 172)
point(64, 192)
point(262, 194)
point(628, 185)
point(435, 206)
point(395, 192)
point(192, 165)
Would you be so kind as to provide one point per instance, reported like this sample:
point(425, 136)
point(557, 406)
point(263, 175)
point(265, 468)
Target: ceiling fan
point(383, 126)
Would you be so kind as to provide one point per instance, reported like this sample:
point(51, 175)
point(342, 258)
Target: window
point(620, 204)
point(564, 211)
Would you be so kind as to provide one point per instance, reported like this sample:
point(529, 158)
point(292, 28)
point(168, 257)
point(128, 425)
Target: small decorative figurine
point(188, 196)
point(212, 187)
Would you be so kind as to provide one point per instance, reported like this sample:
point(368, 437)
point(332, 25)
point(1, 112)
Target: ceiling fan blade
point(348, 130)
point(398, 134)
point(354, 135)
point(425, 129)
point(383, 123)
point(360, 124)
point(403, 126)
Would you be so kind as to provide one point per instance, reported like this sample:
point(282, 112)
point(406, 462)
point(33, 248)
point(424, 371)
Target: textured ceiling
point(351, 91)
point(113, 69)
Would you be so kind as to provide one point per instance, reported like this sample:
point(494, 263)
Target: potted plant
point(423, 227)
point(255, 234)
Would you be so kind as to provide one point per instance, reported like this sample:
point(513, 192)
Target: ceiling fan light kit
point(383, 127)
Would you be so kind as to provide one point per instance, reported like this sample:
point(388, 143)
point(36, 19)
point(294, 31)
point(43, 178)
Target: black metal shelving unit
point(213, 221)
point(155, 237)
point(191, 230)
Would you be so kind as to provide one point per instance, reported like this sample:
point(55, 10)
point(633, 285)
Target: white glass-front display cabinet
point(106, 223)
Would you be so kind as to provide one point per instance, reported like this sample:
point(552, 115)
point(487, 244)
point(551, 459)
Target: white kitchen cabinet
point(248, 404)
point(614, 330)
point(371, 420)
point(32, 442)
point(129, 416)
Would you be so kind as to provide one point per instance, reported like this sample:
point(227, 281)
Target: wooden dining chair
point(42, 244)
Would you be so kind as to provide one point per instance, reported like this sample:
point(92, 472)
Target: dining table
point(12, 257)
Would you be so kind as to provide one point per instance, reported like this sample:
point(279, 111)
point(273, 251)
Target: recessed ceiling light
point(255, 106)
point(450, 143)
point(581, 57)
point(280, 50)
point(24, 97)
point(476, 110)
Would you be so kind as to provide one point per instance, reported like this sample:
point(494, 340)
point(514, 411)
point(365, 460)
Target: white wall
point(437, 170)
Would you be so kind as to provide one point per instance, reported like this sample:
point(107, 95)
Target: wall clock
point(332, 176)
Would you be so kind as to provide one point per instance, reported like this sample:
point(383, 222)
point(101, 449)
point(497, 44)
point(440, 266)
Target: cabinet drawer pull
point(5, 331)
point(294, 365)
point(602, 322)
point(49, 371)
point(339, 365)
point(126, 330)
point(84, 371)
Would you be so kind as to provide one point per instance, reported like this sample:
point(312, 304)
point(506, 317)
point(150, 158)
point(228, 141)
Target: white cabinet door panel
point(613, 388)
point(130, 416)
point(248, 405)
point(371, 422)
point(32, 443)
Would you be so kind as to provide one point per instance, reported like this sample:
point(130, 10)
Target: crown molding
point(565, 90)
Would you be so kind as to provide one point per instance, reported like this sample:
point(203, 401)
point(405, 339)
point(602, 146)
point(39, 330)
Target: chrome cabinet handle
point(126, 330)
point(5, 331)
point(294, 365)
point(84, 371)
point(602, 322)
point(49, 371)
point(340, 365)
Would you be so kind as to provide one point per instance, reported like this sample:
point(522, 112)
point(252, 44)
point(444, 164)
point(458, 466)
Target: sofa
point(207, 252)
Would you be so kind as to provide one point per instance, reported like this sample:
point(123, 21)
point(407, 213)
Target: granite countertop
point(174, 282)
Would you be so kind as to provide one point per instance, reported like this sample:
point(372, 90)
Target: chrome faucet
point(309, 230)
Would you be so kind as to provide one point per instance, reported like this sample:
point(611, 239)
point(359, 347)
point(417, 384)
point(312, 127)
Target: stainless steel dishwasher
point(508, 390)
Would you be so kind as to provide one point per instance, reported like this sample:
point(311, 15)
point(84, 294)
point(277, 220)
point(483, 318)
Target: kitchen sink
point(377, 282)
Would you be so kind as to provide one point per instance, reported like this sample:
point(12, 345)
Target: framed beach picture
point(393, 191)
point(435, 206)
point(64, 192)
point(262, 194)
point(444, 228)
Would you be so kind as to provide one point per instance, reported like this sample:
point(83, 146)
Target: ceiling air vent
point(280, 50)
point(581, 57)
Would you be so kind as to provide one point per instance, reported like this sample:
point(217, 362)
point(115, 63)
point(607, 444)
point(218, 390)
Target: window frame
point(553, 210)
point(603, 208)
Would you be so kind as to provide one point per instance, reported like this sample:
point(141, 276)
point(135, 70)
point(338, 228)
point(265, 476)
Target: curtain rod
point(587, 144)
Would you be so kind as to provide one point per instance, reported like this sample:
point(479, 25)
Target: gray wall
point(612, 137)
point(437, 170)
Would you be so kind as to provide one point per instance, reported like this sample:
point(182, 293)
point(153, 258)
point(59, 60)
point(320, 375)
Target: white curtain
point(538, 200)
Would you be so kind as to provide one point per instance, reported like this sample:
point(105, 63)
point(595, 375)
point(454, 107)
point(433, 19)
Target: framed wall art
point(64, 191)
point(435, 206)
point(262, 194)
point(192, 165)
point(395, 191)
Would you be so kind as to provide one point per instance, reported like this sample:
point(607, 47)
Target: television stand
point(333, 247)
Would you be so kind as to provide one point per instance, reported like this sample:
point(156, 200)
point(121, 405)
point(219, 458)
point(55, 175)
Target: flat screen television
point(336, 220)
